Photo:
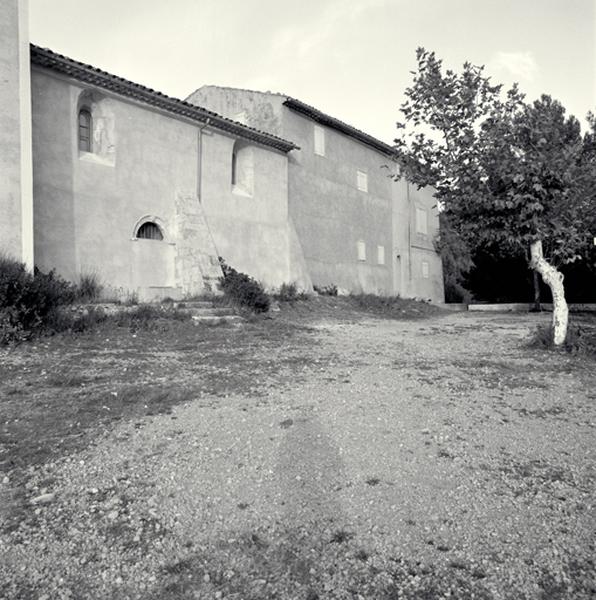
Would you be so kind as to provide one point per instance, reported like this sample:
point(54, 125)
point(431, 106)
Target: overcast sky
point(349, 58)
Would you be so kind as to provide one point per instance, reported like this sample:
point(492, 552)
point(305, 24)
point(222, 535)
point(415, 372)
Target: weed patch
point(89, 288)
point(393, 306)
point(326, 290)
point(288, 292)
point(580, 339)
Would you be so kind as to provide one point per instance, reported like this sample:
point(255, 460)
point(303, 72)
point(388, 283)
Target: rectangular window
point(362, 181)
point(319, 140)
point(421, 221)
point(361, 250)
point(380, 255)
point(425, 269)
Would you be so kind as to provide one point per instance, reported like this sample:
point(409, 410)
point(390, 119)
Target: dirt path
point(420, 459)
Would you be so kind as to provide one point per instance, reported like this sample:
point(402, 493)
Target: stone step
point(217, 319)
point(194, 304)
point(209, 312)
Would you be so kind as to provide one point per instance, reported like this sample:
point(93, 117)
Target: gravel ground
point(430, 459)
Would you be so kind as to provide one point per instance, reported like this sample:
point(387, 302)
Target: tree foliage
point(506, 172)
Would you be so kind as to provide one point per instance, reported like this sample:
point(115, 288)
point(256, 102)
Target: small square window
point(319, 140)
point(361, 250)
point(380, 255)
point(421, 221)
point(362, 181)
point(425, 269)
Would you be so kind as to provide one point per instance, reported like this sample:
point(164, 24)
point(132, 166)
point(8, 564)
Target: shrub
point(243, 289)
point(29, 302)
point(326, 290)
point(10, 328)
point(132, 299)
point(89, 288)
point(288, 292)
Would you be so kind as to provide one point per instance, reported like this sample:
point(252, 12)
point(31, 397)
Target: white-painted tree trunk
point(554, 280)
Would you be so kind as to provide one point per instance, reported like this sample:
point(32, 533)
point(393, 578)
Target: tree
point(457, 261)
point(505, 172)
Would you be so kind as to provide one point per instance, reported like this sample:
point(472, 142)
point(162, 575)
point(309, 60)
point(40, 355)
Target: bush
point(326, 290)
point(243, 289)
point(29, 302)
point(288, 292)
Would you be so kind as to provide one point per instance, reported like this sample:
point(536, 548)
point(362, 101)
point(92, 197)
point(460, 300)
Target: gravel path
point(430, 459)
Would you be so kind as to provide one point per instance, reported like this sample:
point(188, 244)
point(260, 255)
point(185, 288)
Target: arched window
point(149, 231)
point(85, 129)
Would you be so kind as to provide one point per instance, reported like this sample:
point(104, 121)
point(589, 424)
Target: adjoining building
point(104, 176)
point(354, 225)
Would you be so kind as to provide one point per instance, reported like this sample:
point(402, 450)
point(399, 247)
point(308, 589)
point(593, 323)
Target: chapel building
point(104, 176)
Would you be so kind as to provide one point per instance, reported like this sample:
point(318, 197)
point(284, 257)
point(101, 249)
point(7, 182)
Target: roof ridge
point(45, 57)
point(240, 89)
point(320, 116)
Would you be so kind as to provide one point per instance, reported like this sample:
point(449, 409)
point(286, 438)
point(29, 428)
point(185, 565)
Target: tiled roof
point(323, 119)
point(93, 76)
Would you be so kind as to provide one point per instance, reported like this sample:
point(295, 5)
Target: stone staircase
point(203, 311)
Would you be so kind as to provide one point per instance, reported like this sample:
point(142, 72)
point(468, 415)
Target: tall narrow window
point(421, 221)
point(85, 130)
point(425, 269)
point(361, 247)
point(380, 255)
point(319, 140)
point(362, 181)
point(234, 167)
point(242, 169)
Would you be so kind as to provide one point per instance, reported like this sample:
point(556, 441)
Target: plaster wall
point(331, 215)
point(412, 278)
point(328, 215)
point(423, 247)
point(264, 227)
point(88, 205)
point(16, 197)
point(250, 230)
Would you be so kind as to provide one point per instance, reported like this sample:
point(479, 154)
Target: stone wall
point(197, 265)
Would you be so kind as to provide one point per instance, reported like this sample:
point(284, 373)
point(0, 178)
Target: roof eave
point(329, 121)
point(82, 72)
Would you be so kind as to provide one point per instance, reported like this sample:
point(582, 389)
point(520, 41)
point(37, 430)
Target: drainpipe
point(200, 184)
